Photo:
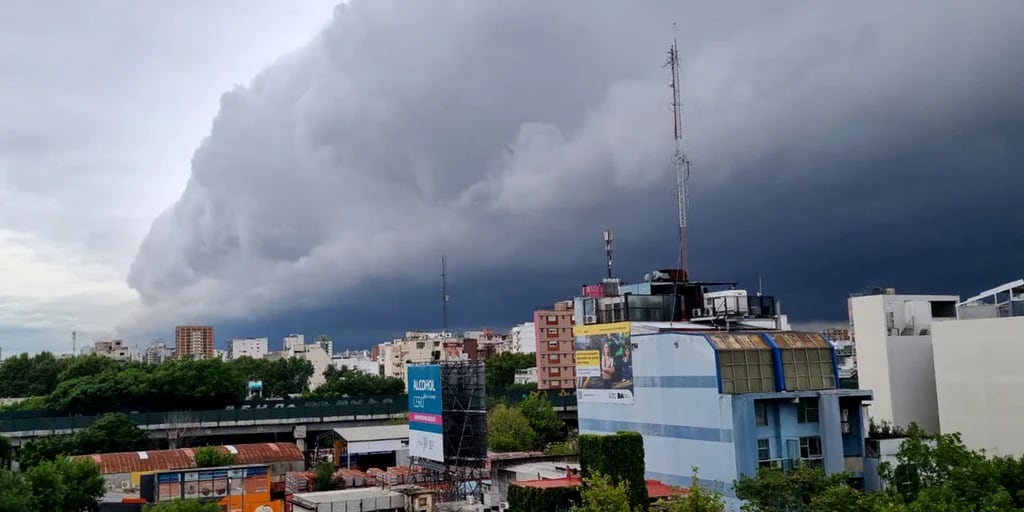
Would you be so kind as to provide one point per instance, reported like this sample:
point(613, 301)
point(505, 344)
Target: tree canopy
point(500, 370)
point(508, 430)
point(110, 433)
point(543, 419)
point(184, 506)
point(211, 457)
point(600, 494)
point(931, 473)
point(62, 484)
point(345, 382)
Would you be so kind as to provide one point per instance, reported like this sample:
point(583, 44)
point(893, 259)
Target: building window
point(764, 453)
point(807, 411)
point(552, 331)
point(551, 319)
point(761, 414)
point(810, 447)
point(553, 357)
point(553, 344)
point(554, 370)
point(419, 344)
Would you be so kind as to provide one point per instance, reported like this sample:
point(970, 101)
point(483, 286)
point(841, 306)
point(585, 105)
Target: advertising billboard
point(604, 363)
point(425, 425)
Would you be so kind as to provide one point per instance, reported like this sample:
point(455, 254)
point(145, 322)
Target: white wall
point(898, 369)
point(872, 354)
point(979, 378)
point(669, 457)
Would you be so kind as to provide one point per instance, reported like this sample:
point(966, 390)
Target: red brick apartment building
point(556, 357)
point(193, 340)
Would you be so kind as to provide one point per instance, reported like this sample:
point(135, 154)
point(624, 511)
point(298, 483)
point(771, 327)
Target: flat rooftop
point(315, 498)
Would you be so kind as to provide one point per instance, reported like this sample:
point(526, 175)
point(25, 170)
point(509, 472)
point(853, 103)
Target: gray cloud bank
point(502, 131)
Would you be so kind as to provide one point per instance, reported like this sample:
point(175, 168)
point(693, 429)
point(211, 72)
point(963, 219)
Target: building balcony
point(853, 464)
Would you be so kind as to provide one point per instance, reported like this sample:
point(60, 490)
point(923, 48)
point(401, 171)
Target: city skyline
point(331, 181)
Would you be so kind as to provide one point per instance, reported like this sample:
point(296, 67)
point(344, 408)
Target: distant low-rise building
point(114, 349)
point(357, 360)
point(256, 348)
point(416, 347)
point(526, 376)
point(157, 352)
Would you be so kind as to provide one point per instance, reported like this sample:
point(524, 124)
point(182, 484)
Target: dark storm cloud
point(509, 134)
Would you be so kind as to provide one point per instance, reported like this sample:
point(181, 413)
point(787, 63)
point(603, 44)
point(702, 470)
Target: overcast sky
point(272, 168)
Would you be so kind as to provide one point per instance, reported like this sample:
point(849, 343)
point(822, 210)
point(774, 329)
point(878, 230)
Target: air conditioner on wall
point(846, 428)
point(589, 319)
point(696, 313)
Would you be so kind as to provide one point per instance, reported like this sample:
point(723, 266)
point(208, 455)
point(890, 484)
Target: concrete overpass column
point(299, 432)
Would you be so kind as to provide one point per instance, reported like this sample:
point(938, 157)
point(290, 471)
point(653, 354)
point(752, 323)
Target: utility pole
point(444, 296)
point(679, 159)
point(608, 250)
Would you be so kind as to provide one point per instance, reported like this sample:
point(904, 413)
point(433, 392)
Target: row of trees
point(345, 381)
point(532, 424)
point(62, 484)
point(932, 473)
point(110, 433)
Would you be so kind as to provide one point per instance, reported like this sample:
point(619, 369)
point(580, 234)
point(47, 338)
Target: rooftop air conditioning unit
point(846, 428)
point(696, 313)
point(589, 319)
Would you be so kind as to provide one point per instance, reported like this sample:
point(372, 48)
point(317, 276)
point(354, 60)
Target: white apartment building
point(317, 356)
point(113, 349)
point(293, 340)
point(362, 363)
point(256, 348)
point(978, 372)
point(326, 342)
point(522, 339)
point(157, 352)
point(526, 376)
point(895, 354)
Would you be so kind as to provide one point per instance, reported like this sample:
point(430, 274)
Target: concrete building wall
point(415, 348)
point(523, 338)
point(362, 364)
point(894, 356)
point(195, 341)
point(671, 369)
point(255, 348)
point(978, 378)
point(912, 377)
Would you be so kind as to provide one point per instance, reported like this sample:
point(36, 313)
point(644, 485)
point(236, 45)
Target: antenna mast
point(74, 342)
point(608, 250)
point(444, 296)
point(679, 160)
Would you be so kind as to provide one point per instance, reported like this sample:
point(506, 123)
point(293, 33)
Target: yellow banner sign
point(593, 330)
point(588, 358)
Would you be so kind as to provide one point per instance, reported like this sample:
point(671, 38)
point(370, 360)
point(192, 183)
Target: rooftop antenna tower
point(444, 296)
point(608, 250)
point(74, 342)
point(679, 159)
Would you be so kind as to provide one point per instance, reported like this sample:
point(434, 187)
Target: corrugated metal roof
point(789, 339)
point(738, 341)
point(378, 433)
point(158, 460)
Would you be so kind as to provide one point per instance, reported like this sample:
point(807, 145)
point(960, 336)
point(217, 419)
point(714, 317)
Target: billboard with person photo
point(604, 363)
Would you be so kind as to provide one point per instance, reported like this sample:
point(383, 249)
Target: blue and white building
point(731, 402)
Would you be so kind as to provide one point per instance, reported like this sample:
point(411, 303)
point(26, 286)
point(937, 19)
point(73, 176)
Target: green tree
point(15, 494)
point(599, 494)
point(500, 370)
point(325, 480)
point(185, 506)
point(112, 433)
point(543, 419)
point(6, 453)
point(358, 384)
point(697, 499)
point(774, 490)
point(620, 457)
point(44, 449)
point(85, 366)
point(508, 430)
point(211, 457)
point(23, 376)
point(941, 471)
point(66, 485)
point(280, 377)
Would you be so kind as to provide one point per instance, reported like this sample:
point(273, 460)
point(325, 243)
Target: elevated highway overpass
point(295, 419)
